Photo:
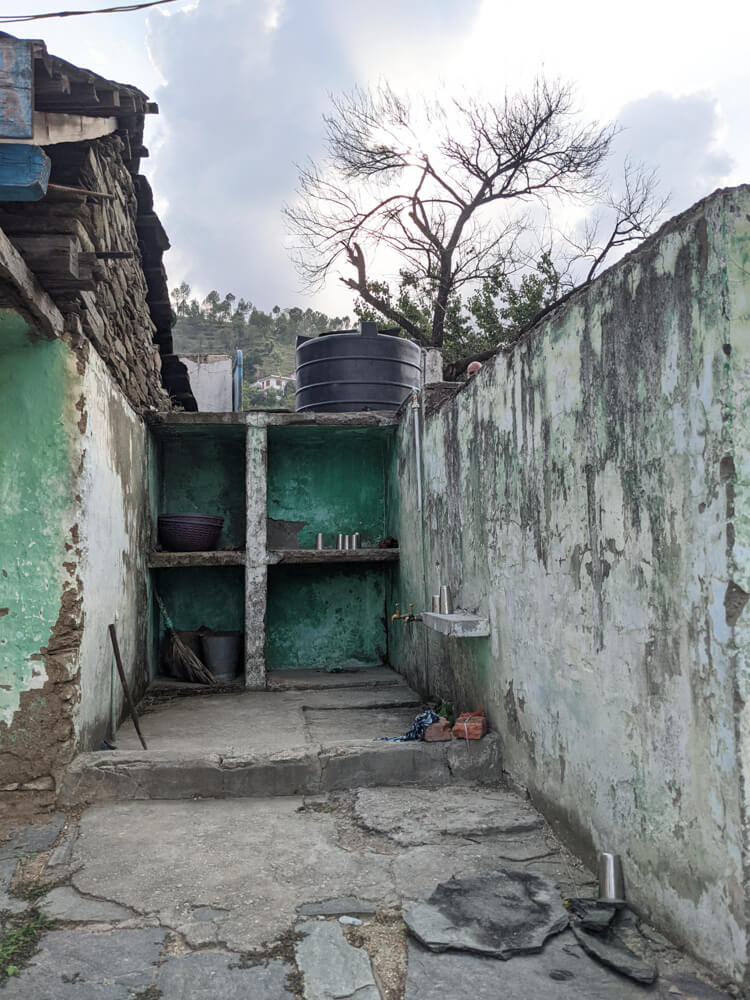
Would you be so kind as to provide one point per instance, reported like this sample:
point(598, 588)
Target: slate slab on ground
point(502, 913)
point(8, 902)
point(560, 972)
point(33, 839)
point(332, 969)
point(414, 816)
point(610, 949)
point(209, 975)
point(81, 965)
point(64, 903)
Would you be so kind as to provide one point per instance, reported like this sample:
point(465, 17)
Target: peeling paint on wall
point(73, 538)
point(35, 494)
point(589, 493)
point(40, 633)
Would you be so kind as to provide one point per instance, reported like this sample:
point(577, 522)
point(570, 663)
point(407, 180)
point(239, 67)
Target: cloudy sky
point(242, 86)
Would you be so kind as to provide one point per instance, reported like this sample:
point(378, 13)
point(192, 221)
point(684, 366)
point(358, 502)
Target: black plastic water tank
point(347, 371)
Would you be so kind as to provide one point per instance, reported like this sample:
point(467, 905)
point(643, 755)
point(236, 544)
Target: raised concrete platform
point(312, 741)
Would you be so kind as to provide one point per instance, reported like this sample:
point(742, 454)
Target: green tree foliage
point(222, 325)
point(253, 398)
point(495, 313)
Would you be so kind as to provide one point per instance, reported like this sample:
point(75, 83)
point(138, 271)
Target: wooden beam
point(114, 254)
point(65, 191)
point(24, 172)
point(26, 290)
point(50, 127)
point(16, 88)
point(49, 256)
point(55, 84)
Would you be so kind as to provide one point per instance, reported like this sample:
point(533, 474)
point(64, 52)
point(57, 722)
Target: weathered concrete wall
point(72, 544)
point(589, 492)
point(211, 381)
point(114, 535)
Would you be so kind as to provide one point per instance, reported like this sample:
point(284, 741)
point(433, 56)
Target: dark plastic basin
point(189, 532)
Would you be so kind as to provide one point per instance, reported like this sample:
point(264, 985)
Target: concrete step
point(110, 776)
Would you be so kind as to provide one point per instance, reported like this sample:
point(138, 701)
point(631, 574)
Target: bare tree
point(625, 217)
point(430, 185)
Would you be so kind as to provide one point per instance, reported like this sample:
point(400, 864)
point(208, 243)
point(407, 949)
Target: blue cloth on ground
point(416, 730)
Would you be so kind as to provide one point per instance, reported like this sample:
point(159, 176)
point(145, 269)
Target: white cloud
point(244, 84)
point(681, 137)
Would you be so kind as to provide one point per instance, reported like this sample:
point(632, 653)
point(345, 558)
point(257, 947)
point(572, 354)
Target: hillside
point(221, 326)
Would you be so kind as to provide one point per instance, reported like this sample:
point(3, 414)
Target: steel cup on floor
point(611, 882)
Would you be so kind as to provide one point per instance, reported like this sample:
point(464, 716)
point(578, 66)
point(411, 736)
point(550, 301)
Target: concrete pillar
point(432, 365)
point(256, 552)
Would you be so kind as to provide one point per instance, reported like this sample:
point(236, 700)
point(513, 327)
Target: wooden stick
point(79, 192)
point(124, 682)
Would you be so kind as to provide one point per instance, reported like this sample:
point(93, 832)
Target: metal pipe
point(417, 448)
point(237, 378)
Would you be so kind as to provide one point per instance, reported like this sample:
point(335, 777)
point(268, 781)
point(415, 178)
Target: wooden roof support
point(25, 292)
point(51, 127)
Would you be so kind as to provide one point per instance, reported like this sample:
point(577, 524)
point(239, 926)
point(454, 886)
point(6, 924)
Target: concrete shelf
point(310, 418)
point(328, 556)
point(219, 557)
point(459, 625)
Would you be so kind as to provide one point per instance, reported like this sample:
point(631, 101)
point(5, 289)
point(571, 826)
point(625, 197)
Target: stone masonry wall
point(589, 493)
point(107, 302)
point(125, 339)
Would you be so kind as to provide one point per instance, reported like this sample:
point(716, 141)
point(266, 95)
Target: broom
point(180, 655)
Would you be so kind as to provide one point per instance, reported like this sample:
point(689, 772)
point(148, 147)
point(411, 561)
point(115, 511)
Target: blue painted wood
point(24, 172)
point(16, 88)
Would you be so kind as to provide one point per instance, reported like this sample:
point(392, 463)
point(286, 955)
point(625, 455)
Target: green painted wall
point(203, 472)
point(213, 596)
point(325, 616)
point(35, 500)
point(331, 478)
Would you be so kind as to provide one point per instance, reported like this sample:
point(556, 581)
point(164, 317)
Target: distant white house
point(273, 383)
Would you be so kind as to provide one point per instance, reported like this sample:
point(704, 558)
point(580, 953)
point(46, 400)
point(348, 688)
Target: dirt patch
point(19, 938)
point(282, 950)
point(350, 836)
point(153, 700)
point(384, 939)
point(152, 993)
point(43, 734)
point(32, 880)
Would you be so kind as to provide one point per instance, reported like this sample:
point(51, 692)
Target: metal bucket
point(222, 654)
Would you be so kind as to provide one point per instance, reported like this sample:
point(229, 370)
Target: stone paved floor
point(295, 897)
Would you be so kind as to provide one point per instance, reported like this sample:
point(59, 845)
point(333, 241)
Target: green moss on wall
point(213, 596)
point(35, 500)
point(325, 616)
point(333, 479)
